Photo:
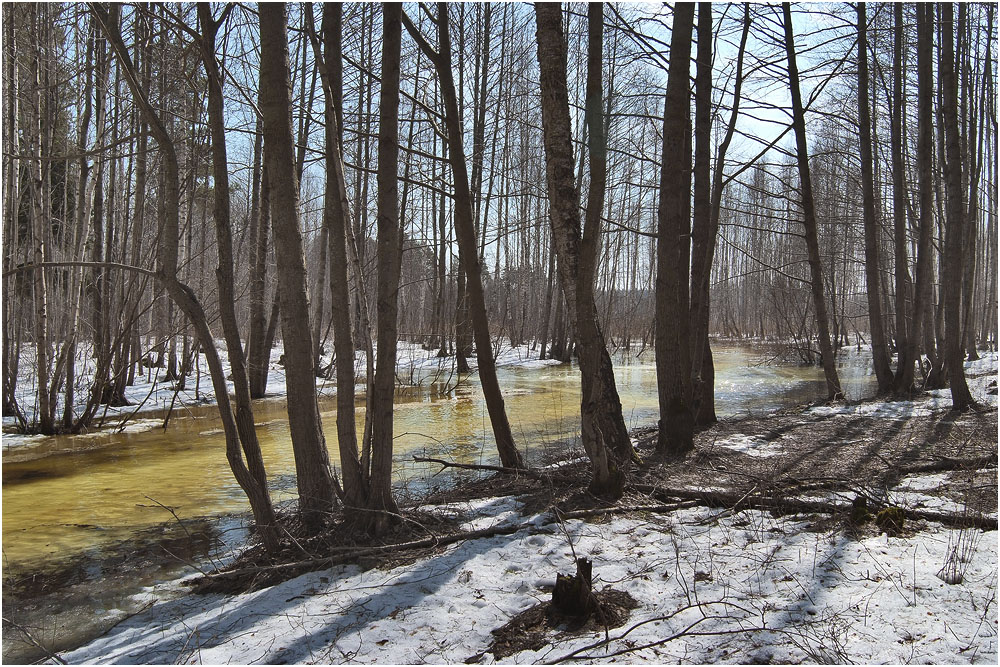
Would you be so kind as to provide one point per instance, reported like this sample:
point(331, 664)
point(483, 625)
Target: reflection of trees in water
point(41, 594)
point(166, 545)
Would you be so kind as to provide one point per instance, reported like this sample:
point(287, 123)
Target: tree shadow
point(180, 628)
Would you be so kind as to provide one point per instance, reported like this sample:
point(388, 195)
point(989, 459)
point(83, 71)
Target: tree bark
point(961, 399)
point(312, 465)
point(880, 349)
point(809, 214)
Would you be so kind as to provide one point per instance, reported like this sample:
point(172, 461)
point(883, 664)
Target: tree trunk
point(167, 272)
point(809, 214)
point(880, 349)
point(226, 279)
point(465, 230)
point(905, 327)
point(705, 223)
point(312, 465)
point(673, 322)
point(258, 351)
point(603, 429)
point(961, 399)
point(336, 219)
point(38, 182)
point(380, 502)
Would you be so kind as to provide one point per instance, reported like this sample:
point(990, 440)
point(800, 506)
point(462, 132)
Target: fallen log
point(945, 464)
point(522, 472)
point(786, 505)
point(526, 472)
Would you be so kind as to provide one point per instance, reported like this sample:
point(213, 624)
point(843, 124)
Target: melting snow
point(797, 595)
point(751, 445)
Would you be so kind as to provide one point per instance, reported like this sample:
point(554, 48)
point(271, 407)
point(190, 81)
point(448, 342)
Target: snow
point(149, 394)
point(750, 445)
point(979, 374)
point(712, 585)
point(796, 595)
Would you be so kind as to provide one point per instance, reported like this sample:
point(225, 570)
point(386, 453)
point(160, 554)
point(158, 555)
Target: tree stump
point(572, 595)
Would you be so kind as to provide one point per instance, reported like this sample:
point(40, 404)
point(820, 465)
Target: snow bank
point(979, 374)
point(151, 394)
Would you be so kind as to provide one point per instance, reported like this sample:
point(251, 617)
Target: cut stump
point(573, 594)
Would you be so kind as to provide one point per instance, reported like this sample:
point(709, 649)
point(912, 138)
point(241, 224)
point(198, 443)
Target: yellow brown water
point(73, 492)
point(75, 495)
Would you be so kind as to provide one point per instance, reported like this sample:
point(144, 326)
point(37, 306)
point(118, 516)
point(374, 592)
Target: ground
point(836, 533)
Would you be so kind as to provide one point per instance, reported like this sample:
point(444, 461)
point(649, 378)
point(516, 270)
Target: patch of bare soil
point(861, 453)
point(541, 625)
point(340, 541)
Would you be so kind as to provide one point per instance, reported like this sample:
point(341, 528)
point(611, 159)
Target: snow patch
point(751, 445)
point(795, 595)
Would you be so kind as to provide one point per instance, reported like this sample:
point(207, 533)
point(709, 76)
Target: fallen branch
point(524, 472)
point(349, 554)
point(659, 509)
point(34, 642)
point(787, 505)
point(352, 554)
point(945, 463)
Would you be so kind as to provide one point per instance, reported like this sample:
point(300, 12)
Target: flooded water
point(81, 510)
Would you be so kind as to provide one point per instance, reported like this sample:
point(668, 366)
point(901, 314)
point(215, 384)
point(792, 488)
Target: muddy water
point(74, 505)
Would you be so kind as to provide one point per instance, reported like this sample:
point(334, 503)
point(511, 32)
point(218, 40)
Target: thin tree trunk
point(961, 399)
point(259, 354)
point(906, 328)
point(39, 191)
point(809, 214)
point(465, 230)
point(226, 280)
point(167, 264)
point(336, 219)
point(380, 502)
point(880, 349)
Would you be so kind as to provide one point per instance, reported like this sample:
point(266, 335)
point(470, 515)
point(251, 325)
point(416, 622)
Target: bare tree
point(673, 322)
point(182, 294)
point(312, 465)
point(880, 349)
point(465, 230)
point(336, 219)
point(905, 328)
point(809, 213)
point(604, 436)
point(380, 501)
point(961, 398)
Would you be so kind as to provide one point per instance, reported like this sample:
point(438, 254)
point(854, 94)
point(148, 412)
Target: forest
point(536, 318)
